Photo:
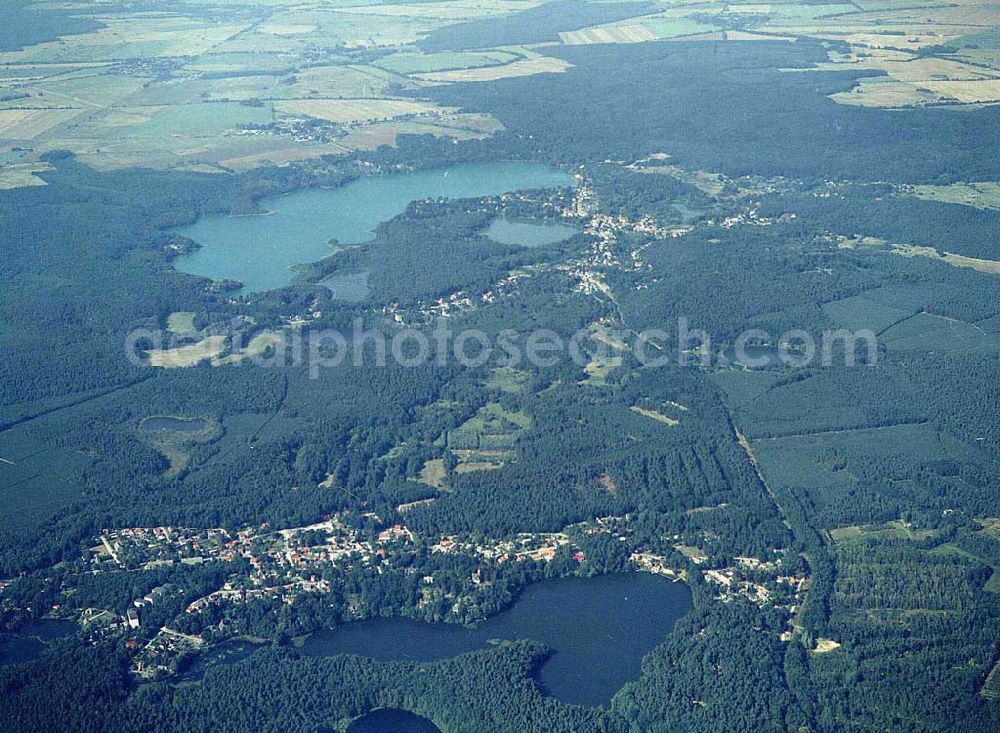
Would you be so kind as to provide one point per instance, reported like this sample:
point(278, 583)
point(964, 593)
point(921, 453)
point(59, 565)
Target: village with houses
point(287, 566)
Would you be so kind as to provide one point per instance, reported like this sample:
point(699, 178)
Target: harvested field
point(20, 175)
point(354, 111)
point(416, 63)
point(654, 415)
point(342, 82)
point(181, 322)
point(933, 69)
point(712, 184)
point(651, 29)
point(984, 195)
point(433, 473)
point(27, 124)
point(911, 250)
point(824, 646)
point(608, 34)
point(276, 29)
point(402, 508)
point(884, 92)
point(92, 90)
point(282, 154)
point(458, 126)
point(983, 90)
point(597, 371)
point(471, 466)
point(528, 67)
point(187, 356)
point(508, 379)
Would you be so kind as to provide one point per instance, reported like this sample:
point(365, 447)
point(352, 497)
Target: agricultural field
point(598, 369)
point(527, 67)
point(877, 92)
point(354, 111)
point(434, 474)
point(180, 90)
point(984, 195)
point(991, 526)
point(19, 175)
point(27, 124)
point(487, 440)
point(130, 89)
point(655, 415)
point(208, 348)
point(911, 250)
point(655, 28)
point(891, 42)
point(508, 379)
point(884, 92)
point(415, 63)
point(181, 322)
point(896, 528)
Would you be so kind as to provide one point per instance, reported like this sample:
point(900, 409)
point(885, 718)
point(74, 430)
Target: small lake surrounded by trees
point(29, 639)
point(166, 424)
point(528, 233)
point(390, 720)
point(350, 287)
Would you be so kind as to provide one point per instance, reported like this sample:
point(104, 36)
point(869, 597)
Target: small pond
point(229, 652)
point(528, 233)
point(30, 638)
point(349, 287)
point(165, 424)
point(391, 720)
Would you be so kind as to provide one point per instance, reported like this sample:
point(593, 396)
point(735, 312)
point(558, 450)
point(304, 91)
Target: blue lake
point(351, 287)
point(528, 233)
point(389, 720)
point(260, 251)
point(19, 649)
point(598, 628)
point(29, 639)
point(227, 653)
point(166, 424)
